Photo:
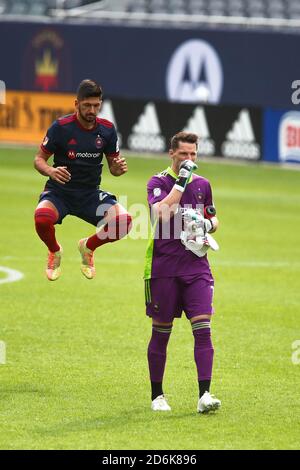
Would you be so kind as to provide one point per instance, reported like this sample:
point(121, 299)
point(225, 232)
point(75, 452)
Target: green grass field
point(76, 374)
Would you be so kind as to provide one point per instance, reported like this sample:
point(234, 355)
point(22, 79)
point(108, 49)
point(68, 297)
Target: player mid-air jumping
point(78, 142)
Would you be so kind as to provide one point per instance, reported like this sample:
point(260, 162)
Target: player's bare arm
point(59, 174)
point(117, 165)
point(167, 207)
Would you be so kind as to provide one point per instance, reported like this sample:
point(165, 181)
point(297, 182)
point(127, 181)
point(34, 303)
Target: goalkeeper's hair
point(183, 137)
point(88, 89)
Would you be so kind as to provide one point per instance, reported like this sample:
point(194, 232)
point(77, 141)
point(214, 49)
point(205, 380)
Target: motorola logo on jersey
point(289, 137)
point(194, 73)
point(72, 154)
point(88, 155)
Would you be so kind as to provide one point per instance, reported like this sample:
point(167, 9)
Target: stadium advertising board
point(219, 66)
point(282, 136)
point(226, 131)
point(26, 116)
point(143, 126)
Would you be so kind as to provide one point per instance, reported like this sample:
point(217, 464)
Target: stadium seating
point(285, 9)
point(37, 8)
point(277, 9)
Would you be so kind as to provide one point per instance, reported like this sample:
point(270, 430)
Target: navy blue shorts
point(87, 204)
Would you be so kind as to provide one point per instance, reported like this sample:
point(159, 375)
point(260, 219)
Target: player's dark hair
point(88, 89)
point(183, 137)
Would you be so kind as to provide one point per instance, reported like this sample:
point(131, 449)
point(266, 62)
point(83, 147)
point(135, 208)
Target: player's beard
point(89, 118)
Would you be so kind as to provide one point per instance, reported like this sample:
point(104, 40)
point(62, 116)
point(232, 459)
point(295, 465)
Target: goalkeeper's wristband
point(209, 212)
point(185, 171)
point(183, 178)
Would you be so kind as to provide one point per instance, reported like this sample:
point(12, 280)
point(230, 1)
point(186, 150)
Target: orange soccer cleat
point(87, 257)
point(53, 270)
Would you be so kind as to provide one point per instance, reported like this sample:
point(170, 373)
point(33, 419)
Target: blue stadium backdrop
point(238, 67)
point(250, 70)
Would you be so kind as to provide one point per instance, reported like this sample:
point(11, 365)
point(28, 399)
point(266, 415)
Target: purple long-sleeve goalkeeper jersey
point(166, 256)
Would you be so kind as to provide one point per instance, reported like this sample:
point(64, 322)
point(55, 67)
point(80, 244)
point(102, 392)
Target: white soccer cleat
point(87, 260)
point(160, 404)
point(208, 403)
point(53, 270)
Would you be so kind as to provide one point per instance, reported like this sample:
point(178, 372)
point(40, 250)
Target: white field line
point(11, 275)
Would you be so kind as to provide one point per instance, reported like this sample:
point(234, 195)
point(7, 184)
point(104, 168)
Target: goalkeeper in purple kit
point(177, 273)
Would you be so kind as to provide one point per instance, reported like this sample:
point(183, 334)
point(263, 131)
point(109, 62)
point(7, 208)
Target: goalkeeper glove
point(205, 225)
point(185, 170)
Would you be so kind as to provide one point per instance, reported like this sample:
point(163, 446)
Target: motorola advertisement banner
point(281, 135)
point(194, 65)
point(147, 126)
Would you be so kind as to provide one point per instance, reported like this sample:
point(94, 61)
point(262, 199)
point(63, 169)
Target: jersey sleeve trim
point(116, 154)
point(45, 150)
point(105, 122)
point(66, 119)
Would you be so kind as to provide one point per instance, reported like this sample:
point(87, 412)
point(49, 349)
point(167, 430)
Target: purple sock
point(203, 350)
point(157, 352)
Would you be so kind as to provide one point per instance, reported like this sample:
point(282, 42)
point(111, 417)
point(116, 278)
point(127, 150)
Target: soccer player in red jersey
point(78, 143)
point(177, 272)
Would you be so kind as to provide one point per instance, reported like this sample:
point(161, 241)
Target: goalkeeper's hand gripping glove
point(208, 225)
point(185, 170)
point(204, 225)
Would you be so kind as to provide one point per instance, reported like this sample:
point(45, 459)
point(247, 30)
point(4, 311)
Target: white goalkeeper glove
point(197, 221)
point(195, 237)
point(198, 244)
point(185, 170)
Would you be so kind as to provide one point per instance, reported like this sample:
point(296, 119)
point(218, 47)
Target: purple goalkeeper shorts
point(167, 297)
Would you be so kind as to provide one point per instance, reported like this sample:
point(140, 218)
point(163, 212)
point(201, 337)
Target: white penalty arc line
point(11, 275)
